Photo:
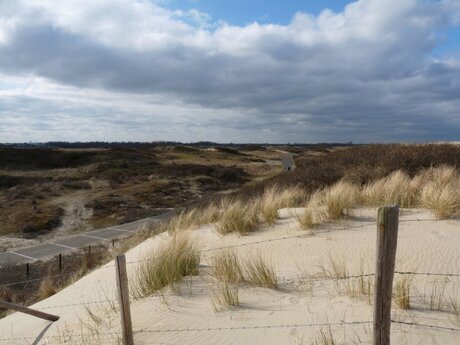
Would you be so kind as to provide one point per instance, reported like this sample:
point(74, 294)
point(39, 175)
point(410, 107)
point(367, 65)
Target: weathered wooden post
point(29, 311)
point(387, 238)
point(123, 295)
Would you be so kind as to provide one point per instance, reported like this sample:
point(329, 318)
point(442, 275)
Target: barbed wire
point(38, 279)
point(425, 325)
point(111, 266)
point(227, 247)
point(211, 329)
point(427, 274)
point(77, 304)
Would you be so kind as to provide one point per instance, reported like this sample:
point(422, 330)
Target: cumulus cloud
point(332, 77)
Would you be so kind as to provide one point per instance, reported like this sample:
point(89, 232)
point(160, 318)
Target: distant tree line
point(134, 144)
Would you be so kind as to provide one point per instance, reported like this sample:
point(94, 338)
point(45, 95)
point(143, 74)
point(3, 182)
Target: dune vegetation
point(175, 259)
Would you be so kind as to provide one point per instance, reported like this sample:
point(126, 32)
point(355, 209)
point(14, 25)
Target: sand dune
point(266, 316)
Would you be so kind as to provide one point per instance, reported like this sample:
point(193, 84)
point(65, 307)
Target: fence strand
point(425, 325)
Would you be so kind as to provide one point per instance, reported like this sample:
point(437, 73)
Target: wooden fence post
point(123, 295)
point(387, 238)
point(29, 311)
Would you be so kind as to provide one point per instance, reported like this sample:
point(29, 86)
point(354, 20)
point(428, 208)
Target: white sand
point(424, 246)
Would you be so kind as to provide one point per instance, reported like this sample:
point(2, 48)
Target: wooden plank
point(123, 296)
point(28, 311)
point(387, 238)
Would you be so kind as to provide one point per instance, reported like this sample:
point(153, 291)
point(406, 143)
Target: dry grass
point(227, 295)
point(238, 217)
point(226, 267)
point(269, 204)
point(274, 198)
point(339, 199)
point(444, 201)
point(435, 297)
point(393, 189)
point(437, 189)
point(332, 203)
point(401, 292)
point(259, 272)
point(190, 219)
point(353, 285)
point(325, 337)
point(441, 191)
point(210, 214)
point(100, 327)
point(177, 258)
point(314, 214)
point(454, 307)
point(48, 287)
point(333, 267)
point(292, 197)
point(360, 286)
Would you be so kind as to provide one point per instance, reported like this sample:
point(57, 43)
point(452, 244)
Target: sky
point(230, 71)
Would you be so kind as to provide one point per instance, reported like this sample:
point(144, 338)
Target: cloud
point(342, 76)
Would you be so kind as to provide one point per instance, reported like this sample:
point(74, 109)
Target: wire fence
point(402, 323)
point(116, 336)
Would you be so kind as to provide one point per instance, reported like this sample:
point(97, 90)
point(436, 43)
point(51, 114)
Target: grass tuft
point(238, 217)
point(172, 261)
point(396, 188)
point(226, 267)
point(274, 198)
point(436, 295)
point(339, 199)
point(260, 272)
point(227, 295)
point(48, 287)
point(333, 268)
point(444, 201)
point(269, 204)
point(325, 337)
point(401, 293)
